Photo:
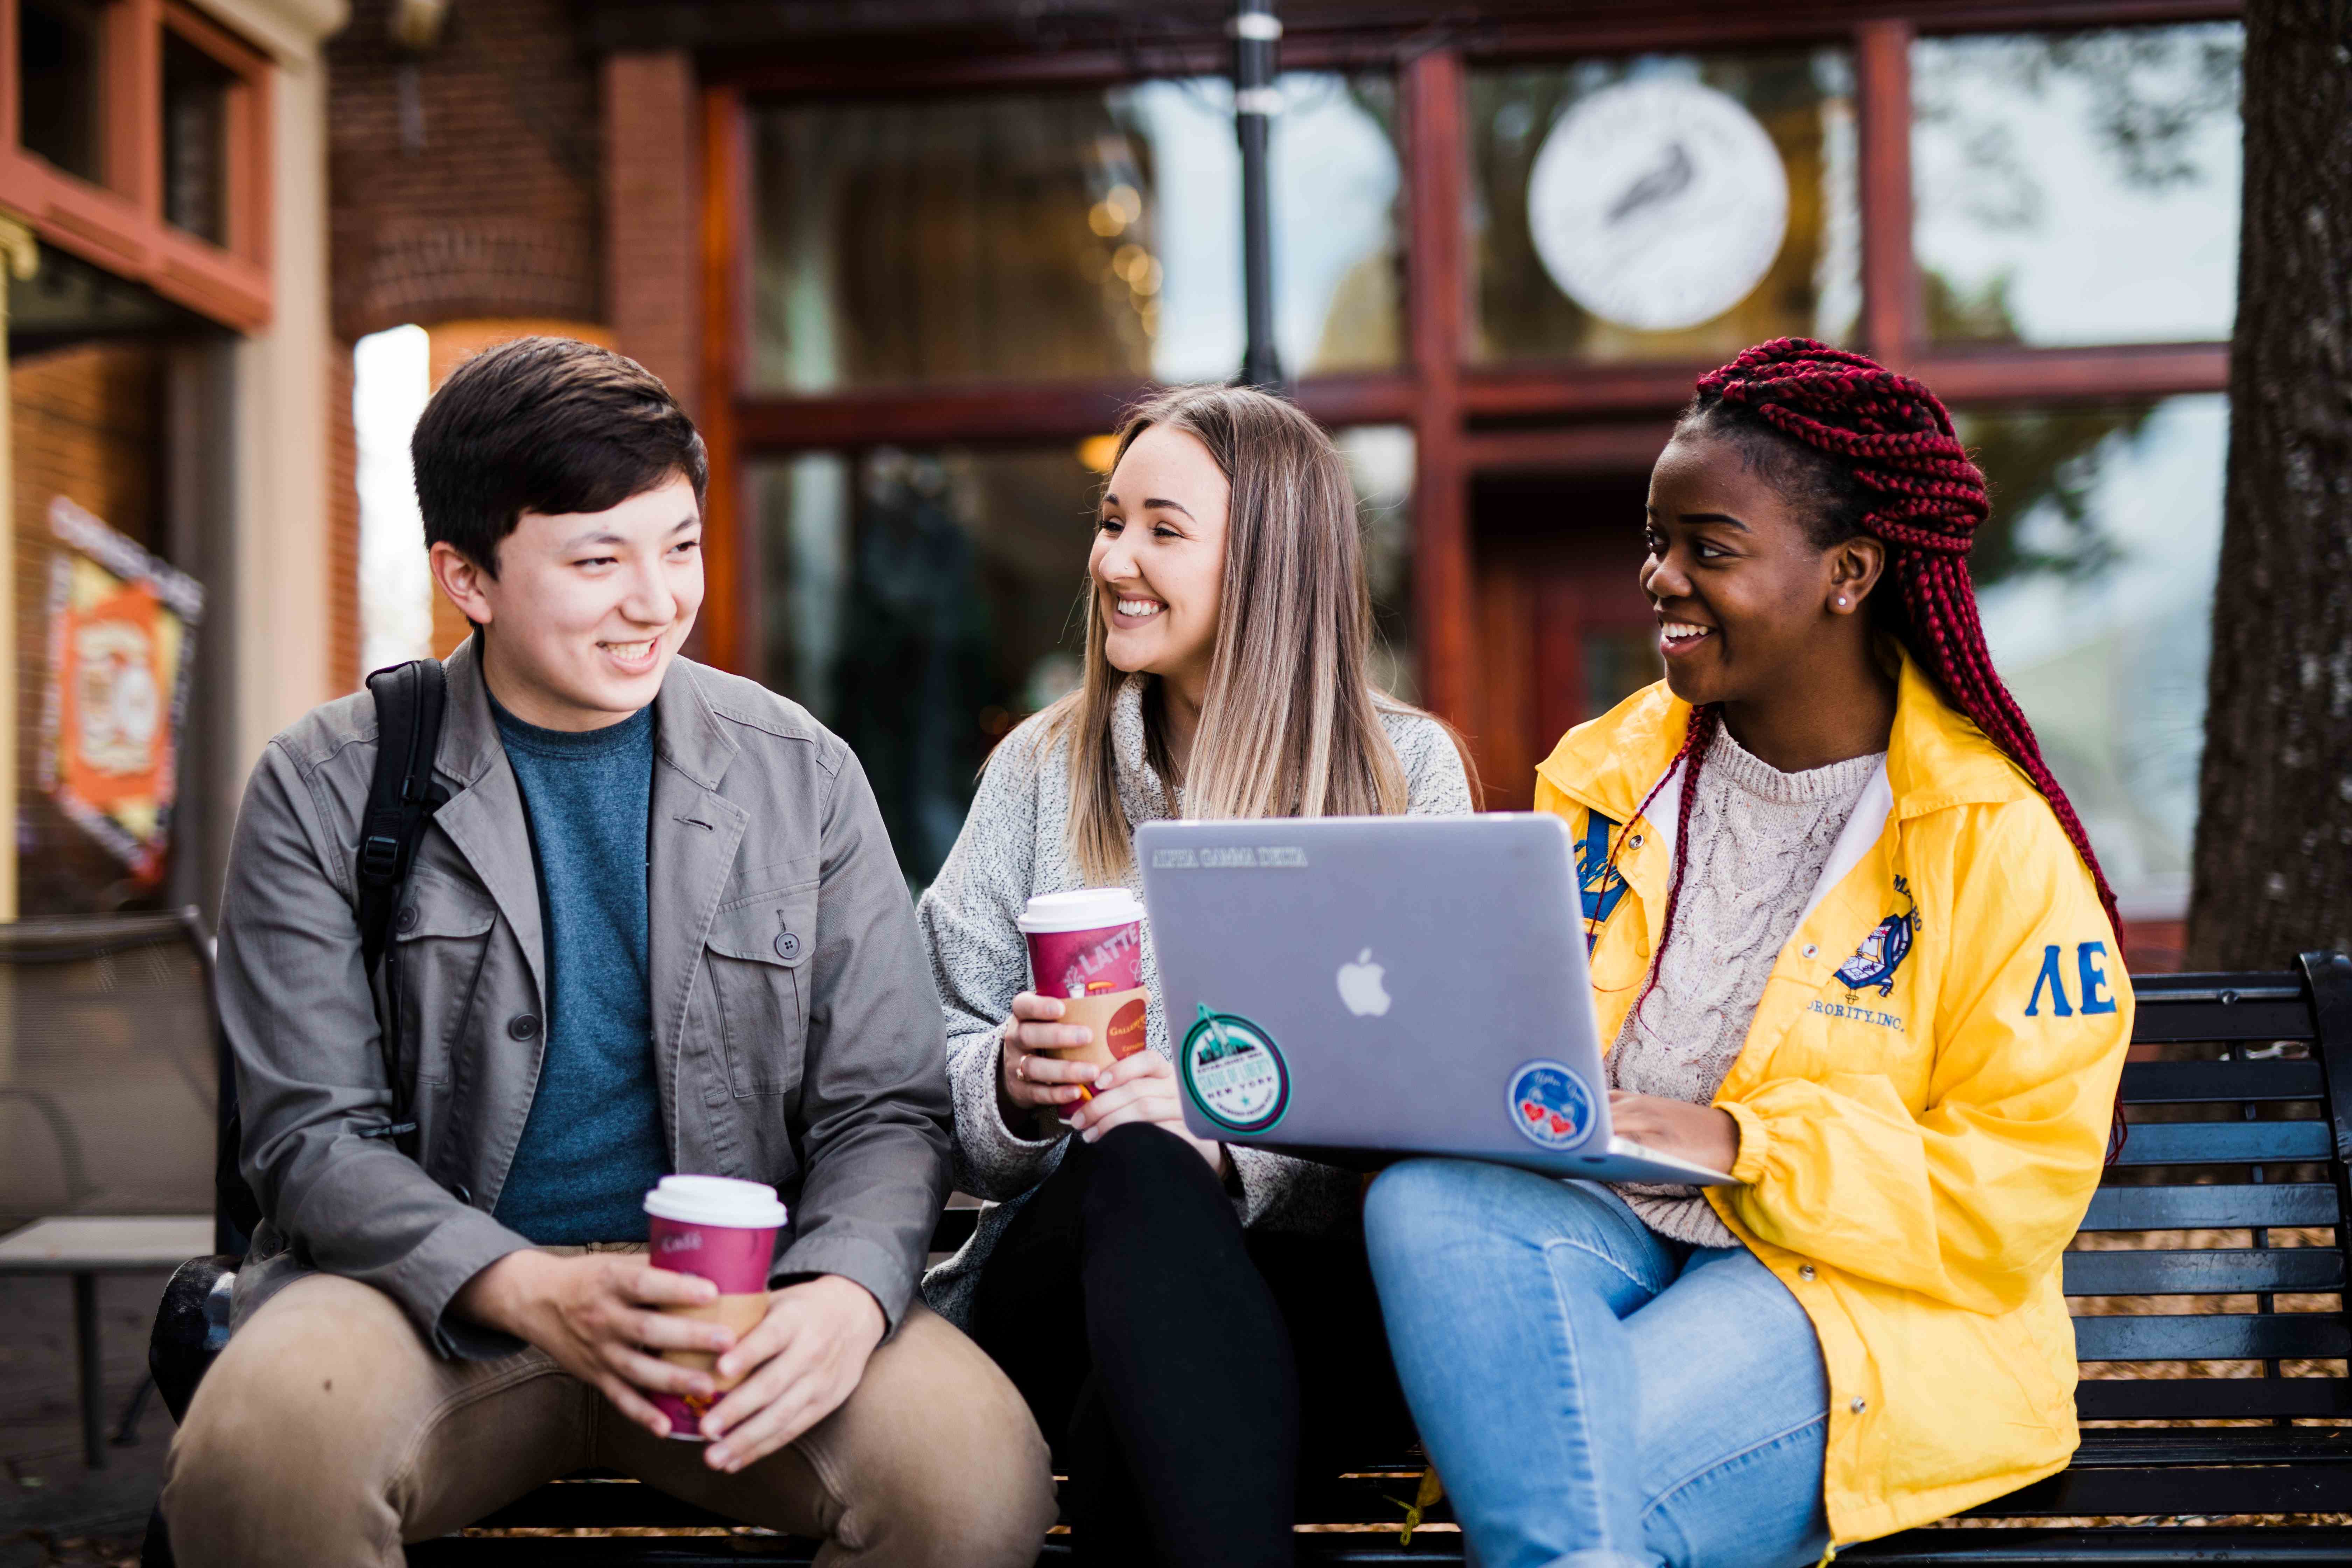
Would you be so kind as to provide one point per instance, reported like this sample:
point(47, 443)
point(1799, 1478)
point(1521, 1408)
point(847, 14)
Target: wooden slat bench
point(2244, 1130)
point(2250, 1142)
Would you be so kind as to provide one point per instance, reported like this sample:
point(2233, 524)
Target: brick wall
point(652, 227)
point(462, 182)
point(87, 424)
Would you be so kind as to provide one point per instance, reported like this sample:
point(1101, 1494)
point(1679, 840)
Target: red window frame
point(118, 222)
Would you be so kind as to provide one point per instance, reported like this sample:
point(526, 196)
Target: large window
point(199, 97)
point(1024, 258)
point(1093, 233)
point(113, 552)
point(1380, 466)
point(60, 84)
point(2096, 580)
point(1499, 265)
point(1669, 206)
point(2078, 188)
point(920, 603)
point(923, 602)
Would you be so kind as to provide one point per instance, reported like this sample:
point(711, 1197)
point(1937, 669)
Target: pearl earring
point(1841, 601)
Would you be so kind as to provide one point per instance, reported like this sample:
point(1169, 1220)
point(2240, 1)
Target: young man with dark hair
point(656, 927)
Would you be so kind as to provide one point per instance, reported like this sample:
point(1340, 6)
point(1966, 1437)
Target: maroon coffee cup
point(1085, 950)
point(725, 1231)
point(1088, 943)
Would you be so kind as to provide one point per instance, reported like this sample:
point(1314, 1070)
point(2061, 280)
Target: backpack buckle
point(379, 858)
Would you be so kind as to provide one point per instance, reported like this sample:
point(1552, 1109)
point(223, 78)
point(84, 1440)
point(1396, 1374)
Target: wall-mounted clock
point(1658, 205)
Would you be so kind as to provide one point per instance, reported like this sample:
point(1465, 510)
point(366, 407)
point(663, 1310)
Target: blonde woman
point(1160, 1300)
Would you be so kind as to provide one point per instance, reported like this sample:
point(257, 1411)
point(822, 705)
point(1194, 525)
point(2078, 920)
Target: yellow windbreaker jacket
point(1924, 1097)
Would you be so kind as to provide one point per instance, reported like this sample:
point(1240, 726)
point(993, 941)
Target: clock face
point(1658, 205)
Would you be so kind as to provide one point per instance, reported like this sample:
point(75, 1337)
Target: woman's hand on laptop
point(1700, 1133)
point(1027, 1082)
point(1140, 1089)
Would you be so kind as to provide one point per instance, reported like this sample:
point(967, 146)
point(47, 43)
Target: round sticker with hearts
point(1550, 1106)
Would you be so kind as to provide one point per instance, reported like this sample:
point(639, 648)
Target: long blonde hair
point(1291, 724)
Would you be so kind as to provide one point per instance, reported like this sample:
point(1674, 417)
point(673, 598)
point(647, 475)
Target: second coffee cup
point(1085, 950)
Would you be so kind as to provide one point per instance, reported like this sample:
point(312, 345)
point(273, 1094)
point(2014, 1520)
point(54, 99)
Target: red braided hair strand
point(1697, 735)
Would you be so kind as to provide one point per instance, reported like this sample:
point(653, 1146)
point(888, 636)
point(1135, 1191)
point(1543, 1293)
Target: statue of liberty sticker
point(1550, 1105)
point(1235, 1072)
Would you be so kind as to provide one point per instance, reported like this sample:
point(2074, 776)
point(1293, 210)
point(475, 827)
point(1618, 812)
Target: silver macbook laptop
point(1360, 989)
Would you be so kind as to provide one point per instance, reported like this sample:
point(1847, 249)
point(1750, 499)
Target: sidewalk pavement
point(53, 1511)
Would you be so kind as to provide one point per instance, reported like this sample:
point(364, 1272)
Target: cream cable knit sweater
point(1015, 843)
point(1758, 839)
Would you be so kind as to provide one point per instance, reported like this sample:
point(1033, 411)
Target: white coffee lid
point(1085, 909)
point(716, 1200)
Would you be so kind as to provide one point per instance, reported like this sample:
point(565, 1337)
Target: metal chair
point(110, 1083)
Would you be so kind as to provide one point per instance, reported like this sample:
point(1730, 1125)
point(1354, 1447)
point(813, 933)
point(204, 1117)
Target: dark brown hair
point(545, 425)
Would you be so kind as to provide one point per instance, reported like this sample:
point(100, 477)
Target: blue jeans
point(1594, 1395)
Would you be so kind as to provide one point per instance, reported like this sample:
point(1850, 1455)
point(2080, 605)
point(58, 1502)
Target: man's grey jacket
point(796, 1037)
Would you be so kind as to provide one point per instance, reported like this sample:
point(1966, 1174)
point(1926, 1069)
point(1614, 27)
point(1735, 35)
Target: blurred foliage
point(2033, 459)
point(2148, 94)
point(2152, 90)
point(2044, 465)
point(1954, 311)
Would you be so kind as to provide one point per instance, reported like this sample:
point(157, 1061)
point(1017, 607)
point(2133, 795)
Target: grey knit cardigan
point(1014, 844)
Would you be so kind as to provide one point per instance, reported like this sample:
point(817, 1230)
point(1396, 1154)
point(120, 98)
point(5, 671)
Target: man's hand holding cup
point(608, 1318)
point(791, 1356)
point(723, 1232)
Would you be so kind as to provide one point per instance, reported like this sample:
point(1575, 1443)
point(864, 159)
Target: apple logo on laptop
point(1360, 986)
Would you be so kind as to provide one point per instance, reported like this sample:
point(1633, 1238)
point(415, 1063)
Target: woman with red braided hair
point(1851, 948)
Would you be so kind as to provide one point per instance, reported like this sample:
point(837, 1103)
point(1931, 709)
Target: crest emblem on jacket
point(1598, 883)
point(1881, 953)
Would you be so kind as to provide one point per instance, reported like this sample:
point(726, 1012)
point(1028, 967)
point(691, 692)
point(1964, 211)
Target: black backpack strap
point(410, 700)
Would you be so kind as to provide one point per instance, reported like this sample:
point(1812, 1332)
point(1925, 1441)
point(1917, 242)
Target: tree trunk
point(2273, 862)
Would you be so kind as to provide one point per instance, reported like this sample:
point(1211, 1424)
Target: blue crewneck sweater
point(592, 1144)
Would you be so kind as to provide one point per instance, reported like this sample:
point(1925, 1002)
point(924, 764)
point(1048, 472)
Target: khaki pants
point(328, 1433)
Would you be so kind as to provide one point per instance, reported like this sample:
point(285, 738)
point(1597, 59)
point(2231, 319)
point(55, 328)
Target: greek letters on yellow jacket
point(1924, 1096)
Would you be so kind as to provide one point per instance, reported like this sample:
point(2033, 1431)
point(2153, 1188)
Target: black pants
point(1165, 1353)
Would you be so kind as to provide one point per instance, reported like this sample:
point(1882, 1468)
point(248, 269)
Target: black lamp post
point(1256, 31)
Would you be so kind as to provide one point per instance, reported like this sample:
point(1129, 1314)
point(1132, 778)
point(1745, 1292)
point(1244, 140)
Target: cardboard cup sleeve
point(1115, 1017)
point(739, 1312)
